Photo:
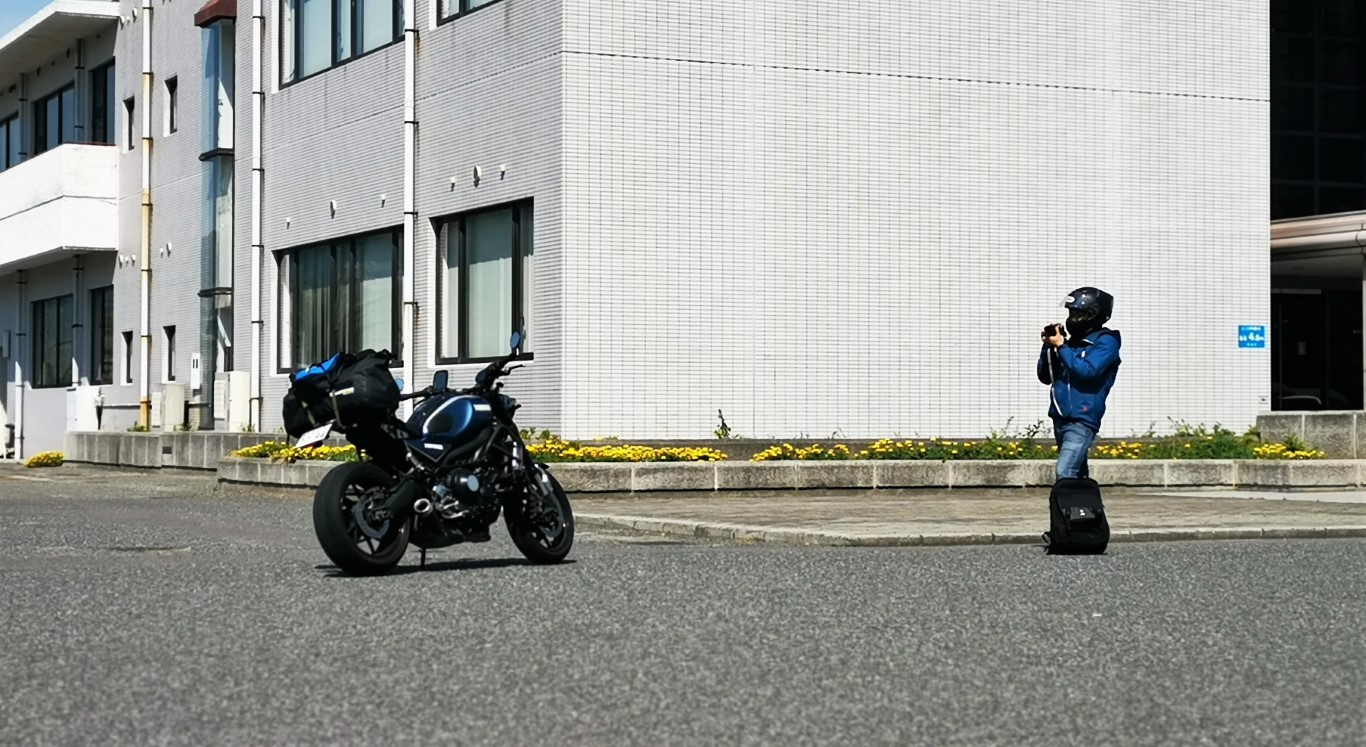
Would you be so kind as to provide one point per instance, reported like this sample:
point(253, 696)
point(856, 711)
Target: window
point(52, 342)
point(128, 357)
point(216, 146)
point(218, 100)
point(9, 143)
point(171, 104)
point(130, 129)
point(318, 34)
point(54, 120)
point(168, 356)
point(340, 295)
point(102, 335)
point(1318, 119)
point(484, 281)
point(452, 8)
point(216, 222)
point(102, 104)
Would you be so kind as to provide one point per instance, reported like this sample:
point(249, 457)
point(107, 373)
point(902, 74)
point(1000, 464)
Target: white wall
point(64, 197)
point(856, 219)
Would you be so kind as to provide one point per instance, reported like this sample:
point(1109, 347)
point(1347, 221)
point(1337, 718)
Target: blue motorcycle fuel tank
point(451, 421)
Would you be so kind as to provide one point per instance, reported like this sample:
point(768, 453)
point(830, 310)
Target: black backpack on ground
point(1077, 523)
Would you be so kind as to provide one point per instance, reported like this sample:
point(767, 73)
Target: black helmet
point(1088, 310)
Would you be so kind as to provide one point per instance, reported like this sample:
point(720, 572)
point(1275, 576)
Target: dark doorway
point(1316, 349)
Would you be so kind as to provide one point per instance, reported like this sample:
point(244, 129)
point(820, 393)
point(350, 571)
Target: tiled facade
point(818, 220)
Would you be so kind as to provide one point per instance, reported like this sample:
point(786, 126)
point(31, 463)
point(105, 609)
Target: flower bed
point(278, 451)
point(553, 449)
point(46, 459)
point(1186, 443)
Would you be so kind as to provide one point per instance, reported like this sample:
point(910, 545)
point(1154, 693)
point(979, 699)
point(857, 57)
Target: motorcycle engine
point(461, 489)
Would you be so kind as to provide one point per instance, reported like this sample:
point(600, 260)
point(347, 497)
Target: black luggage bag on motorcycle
point(349, 390)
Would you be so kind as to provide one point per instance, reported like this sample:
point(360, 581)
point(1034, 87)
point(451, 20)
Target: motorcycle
point(441, 478)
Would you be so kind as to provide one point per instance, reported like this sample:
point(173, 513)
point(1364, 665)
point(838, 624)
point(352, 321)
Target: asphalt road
point(144, 609)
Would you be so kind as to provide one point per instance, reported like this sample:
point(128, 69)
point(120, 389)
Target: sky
point(15, 12)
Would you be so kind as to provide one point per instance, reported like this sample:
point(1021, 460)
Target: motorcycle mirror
point(516, 341)
point(439, 379)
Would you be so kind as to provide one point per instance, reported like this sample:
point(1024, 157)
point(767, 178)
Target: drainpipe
point(77, 339)
point(258, 95)
point(81, 94)
point(21, 346)
point(144, 271)
point(409, 197)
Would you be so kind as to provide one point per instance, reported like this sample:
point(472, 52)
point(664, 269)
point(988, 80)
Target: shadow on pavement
point(463, 564)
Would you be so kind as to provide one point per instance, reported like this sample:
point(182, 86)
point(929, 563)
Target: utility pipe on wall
point(257, 248)
point(409, 197)
point(77, 313)
point(144, 270)
point(20, 347)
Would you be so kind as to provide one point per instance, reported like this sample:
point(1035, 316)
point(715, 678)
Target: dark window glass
point(1340, 112)
point(52, 342)
point(102, 107)
point(1340, 200)
point(1292, 57)
point(1291, 200)
point(1340, 160)
point(343, 296)
point(1292, 157)
point(1292, 108)
point(1340, 62)
point(9, 143)
point(1295, 16)
point(102, 335)
point(485, 280)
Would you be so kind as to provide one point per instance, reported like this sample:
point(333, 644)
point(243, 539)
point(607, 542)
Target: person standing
point(1079, 361)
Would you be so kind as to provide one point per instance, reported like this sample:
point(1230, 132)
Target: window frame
point(131, 131)
point(168, 354)
point(102, 77)
point(171, 104)
point(520, 296)
point(101, 334)
point(10, 128)
point(287, 289)
point(294, 29)
point(463, 10)
point(127, 356)
point(39, 316)
point(40, 105)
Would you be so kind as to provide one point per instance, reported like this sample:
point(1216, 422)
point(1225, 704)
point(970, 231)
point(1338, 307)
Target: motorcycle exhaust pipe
point(422, 506)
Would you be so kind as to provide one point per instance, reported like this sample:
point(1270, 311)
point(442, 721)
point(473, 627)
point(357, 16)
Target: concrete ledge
point(265, 472)
point(843, 475)
point(747, 534)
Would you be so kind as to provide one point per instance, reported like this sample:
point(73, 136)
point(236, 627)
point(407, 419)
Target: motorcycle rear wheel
point(342, 527)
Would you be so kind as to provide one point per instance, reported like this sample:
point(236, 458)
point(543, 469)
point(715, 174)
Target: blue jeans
point(1074, 442)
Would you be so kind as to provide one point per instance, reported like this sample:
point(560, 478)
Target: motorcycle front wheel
point(352, 538)
point(546, 538)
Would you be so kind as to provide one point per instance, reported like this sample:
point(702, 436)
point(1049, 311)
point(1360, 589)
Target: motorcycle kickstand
point(423, 562)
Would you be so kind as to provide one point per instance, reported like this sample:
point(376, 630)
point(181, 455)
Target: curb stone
point(753, 534)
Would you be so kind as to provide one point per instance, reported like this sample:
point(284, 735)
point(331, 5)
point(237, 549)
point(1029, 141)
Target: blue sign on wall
point(1251, 336)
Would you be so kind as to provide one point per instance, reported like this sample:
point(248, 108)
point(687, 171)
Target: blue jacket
point(1083, 371)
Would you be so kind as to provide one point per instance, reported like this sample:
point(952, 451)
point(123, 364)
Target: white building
point(814, 219)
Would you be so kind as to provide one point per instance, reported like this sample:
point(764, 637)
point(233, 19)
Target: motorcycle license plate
point(314, 437)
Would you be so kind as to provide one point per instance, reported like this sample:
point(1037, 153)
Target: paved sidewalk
point(981, 517)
